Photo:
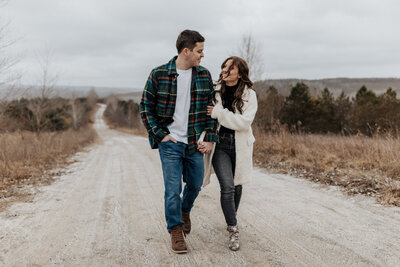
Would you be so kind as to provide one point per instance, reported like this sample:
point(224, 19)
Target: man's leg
point(171, 155)
point(193, 172)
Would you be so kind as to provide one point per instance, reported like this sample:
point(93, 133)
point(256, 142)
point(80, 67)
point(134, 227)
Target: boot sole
point(179, 251)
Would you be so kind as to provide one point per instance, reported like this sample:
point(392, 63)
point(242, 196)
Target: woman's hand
point(210, 109)
point(205, 147)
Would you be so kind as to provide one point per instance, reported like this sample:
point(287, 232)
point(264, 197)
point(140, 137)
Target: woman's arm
point(236, 121)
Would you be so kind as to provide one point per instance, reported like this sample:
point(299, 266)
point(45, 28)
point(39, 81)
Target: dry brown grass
point(25, 156)
point(28, 158)
point(358, 164)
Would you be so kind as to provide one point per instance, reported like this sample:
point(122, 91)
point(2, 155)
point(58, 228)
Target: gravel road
point(107, 210)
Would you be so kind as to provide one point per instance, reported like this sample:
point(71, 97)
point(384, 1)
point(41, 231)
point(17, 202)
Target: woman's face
point(230, 77)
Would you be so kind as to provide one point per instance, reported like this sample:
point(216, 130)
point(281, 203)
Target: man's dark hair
point(188, 39)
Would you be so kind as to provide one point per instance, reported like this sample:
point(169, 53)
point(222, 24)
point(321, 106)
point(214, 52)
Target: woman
point(232, 157)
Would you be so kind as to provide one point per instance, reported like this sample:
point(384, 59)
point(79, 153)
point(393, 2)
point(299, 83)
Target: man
point(173, 109)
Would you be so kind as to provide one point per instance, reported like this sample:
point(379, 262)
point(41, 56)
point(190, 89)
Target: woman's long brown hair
point(243, 81)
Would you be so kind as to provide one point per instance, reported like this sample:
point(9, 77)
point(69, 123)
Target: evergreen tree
point(296, 109)
point(343, 112)
point(388, 111)
point(269, 110)
point(364, 117)
point(323, 119)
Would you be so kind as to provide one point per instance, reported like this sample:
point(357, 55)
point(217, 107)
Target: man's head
point(190, 46)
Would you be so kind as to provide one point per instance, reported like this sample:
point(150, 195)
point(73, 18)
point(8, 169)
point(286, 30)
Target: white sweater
point(244, 139)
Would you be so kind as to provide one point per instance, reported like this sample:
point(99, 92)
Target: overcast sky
point(117, 43)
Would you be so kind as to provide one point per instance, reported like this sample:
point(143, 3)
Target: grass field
point(358, 164)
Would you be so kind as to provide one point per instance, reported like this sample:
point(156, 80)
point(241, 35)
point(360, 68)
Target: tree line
point(365, 113)
point(123, 113)
point(43, 114)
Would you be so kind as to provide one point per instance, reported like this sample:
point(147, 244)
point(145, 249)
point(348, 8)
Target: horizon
point(348, 85)
point(267, 79)
point(277, 79)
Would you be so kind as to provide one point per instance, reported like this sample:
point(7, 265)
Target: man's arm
point(148, 108)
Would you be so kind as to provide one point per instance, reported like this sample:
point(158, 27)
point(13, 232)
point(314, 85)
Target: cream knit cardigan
point(244, 138)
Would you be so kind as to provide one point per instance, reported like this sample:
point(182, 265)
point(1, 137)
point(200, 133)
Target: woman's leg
point(224, 166)
point(238, 188)
point(238, 195)
point(223, 169)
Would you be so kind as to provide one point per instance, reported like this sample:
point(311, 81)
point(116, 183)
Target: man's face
point(194, 56)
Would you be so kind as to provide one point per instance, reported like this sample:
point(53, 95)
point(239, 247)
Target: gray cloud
point(117, 43)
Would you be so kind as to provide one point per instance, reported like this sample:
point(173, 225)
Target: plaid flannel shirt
point(157, 106)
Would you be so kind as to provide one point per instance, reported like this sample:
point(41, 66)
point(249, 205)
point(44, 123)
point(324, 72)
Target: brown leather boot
point(177, 240)
point(186, 219)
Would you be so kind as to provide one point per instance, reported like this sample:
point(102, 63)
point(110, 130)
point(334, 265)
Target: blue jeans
point(177, 163)
point(224, 161)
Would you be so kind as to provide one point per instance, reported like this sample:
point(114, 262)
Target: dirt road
point(107, 210)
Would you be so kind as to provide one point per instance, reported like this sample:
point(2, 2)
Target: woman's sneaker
point(233, 237)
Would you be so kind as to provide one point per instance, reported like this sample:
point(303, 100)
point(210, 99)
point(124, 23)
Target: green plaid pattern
point(158, 104)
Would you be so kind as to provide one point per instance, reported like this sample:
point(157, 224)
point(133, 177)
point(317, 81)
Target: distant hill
point(336, 85)
point(67, 91)
point(135, 96)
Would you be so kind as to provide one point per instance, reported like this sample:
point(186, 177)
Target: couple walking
point(196, 126)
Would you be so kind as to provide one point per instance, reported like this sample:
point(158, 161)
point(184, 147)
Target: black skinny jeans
point(224, 166)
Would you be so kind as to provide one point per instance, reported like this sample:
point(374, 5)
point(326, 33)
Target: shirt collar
point(172, 67)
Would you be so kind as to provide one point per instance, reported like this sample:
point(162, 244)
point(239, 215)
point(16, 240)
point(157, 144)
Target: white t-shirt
point(179, 127)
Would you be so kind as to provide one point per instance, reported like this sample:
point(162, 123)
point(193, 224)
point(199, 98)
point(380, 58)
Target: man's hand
point(205, 147)
point(168, 138)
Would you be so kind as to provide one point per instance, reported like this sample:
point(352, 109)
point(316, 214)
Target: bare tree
point(48, 80)
point(46, 85)
point(8, 77)
point(92, 97)
point(112, 101)
point(77, 111)
point(250, 51)
point(6, 61)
